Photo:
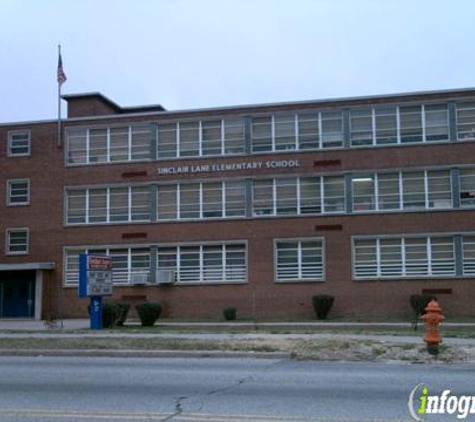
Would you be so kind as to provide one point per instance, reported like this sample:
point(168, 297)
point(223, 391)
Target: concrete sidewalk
point(83, 324)
point(223, 337)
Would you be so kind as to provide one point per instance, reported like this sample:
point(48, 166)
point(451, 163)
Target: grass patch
point(302, 349)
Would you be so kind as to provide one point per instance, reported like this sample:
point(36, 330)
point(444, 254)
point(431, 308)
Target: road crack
point(178, 409)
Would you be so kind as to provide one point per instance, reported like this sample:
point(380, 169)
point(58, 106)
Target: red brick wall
point(261, 297)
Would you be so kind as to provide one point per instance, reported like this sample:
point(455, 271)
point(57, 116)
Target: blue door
point(17, 294)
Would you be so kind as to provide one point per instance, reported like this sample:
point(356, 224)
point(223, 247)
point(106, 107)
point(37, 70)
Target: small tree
point(229, 313)
point(418, 304)
point(149, 313)
point(322, 305)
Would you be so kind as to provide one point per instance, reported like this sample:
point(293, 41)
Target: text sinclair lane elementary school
point(205, 168)
point(258, 207)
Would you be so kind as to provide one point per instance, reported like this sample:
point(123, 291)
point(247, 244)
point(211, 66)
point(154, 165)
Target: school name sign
point(224, 167)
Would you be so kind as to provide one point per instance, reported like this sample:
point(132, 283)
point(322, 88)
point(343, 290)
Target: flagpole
point(59, 104)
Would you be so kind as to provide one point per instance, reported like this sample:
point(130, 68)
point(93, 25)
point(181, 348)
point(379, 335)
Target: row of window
point(208, 264)
point(372, 126)
point(413, 256)
point(189, 264)
point(419, 189)
point(373, 257)
point(392, 257)
point(405, 190)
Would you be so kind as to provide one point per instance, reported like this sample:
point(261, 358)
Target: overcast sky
point(209, 53)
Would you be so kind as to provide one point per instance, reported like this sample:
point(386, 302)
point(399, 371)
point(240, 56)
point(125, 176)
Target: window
point(310, 195)
point(261, 130)
point(413, 190)
point(332, 129)
point(334, 194)
point(77, 146)
point(284, 130)
point(286, 195)
point(386, 125)
point(308, 131)
point(141, 142)
point(467, 187)
point(363, 193)
point(125, 263)
point(361, 127)
point(98, 146)
point(119, 143)
point(393, 257)
point(235, 198)
point(208, 264)
point(234, 136)
point(167, 202)
point(389, 191)
point(410, 190)
point(17, 241)
point(465, 121)
point(18, 192)
point(468, 255)
point(118, 204)
point(97, 211)
point(212, 199)
point(390, 257)
point(298, 195)
point(18, 143)
point(211, 138)
point(140, 203)
point(167, 140)
point(299, 260)
point(263, 197)
point(190, 200)
point(439, 189)
point(105, 145)
point(189, 139)
point(411, 124)
point(365, 258)
point(108, 205)
point(436, 122)
point(76, 202)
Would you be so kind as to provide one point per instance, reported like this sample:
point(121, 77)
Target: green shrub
point(229, 313)
point(113, 313)
point(124, 308)
point(322, 305)
point(110, 314)
point(418, 304)
point(149, 313)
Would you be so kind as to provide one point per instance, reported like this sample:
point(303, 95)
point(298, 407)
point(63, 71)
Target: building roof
point(101, 97)
point(158, 110)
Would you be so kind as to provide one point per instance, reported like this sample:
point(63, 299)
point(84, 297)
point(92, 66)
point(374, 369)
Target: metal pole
point(59, 103)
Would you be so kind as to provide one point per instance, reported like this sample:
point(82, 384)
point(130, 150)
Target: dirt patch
point(303, 349)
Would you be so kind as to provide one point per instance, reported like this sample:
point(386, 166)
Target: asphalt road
point(239, 390)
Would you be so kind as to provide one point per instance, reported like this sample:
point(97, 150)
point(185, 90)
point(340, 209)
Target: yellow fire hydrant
point(433, 317)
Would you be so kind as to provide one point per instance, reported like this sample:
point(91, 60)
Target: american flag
point(61, 75)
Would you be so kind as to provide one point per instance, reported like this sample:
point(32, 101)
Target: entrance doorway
point(17, 294)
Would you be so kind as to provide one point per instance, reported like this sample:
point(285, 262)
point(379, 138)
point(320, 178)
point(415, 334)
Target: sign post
point(95, 281)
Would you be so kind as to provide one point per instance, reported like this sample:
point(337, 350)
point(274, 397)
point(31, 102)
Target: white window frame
point(10, 143)
point(428, 244)
point(10, 182)
point(109, 249)
point(8, 244)
point(299, 241)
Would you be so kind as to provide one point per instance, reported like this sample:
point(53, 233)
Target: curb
point(144, 353)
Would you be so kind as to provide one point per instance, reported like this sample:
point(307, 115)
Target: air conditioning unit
point(166, 276)
point(139, 278)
